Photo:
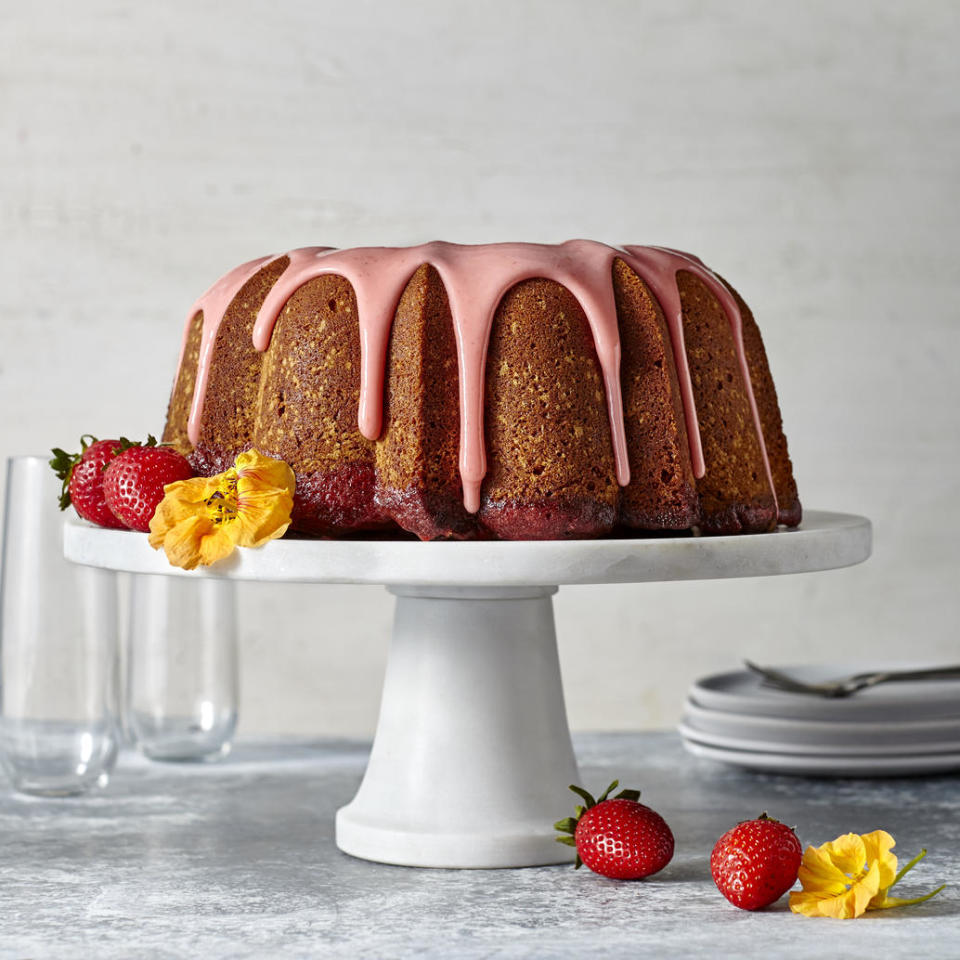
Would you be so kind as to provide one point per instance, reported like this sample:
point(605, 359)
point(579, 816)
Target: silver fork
point(844, 686)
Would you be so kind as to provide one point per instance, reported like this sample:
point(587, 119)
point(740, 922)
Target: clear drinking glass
point(182, 672)
point(59, 730)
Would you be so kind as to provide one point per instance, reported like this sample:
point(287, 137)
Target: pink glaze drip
point(378, 276)
point(676, 260)
point(214, 305)
point(476, 279)
point(658, 269)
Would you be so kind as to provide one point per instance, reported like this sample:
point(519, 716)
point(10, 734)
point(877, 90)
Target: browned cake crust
point(178, 411)
point(550, 472)
point(417, 457)
point(735, 494)
point(550, 464)
point(662, 493)
point(788, 499)
point(306, 412)
point(230, 405)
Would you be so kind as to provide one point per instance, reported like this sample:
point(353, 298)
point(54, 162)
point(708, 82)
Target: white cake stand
point(472, 755)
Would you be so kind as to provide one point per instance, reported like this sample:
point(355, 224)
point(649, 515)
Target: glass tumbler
point(182, 672)
point(59, 730)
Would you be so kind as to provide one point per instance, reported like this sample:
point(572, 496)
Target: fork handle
point(885, 676)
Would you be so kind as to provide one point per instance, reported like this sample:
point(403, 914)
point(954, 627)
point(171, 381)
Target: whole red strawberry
point(134, 480)
point(617, 837)
point(756, 862)
point(82, 476)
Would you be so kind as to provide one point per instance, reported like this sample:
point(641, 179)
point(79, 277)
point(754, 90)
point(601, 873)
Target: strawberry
point(619, 837)
point(134, 480)
point(82, 476)
point(756, 862)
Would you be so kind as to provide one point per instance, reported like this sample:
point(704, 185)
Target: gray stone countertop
point(238, 860)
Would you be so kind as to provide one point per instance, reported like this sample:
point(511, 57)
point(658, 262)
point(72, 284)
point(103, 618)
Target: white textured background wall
point(809, 151)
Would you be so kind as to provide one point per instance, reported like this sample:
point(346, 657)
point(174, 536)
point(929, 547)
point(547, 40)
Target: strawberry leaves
point(616, 836)
point(63, 465)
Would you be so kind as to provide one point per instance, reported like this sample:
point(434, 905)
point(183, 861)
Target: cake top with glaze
point(476, 277)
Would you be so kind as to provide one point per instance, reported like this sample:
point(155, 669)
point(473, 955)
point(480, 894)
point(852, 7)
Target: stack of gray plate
point(908, 727)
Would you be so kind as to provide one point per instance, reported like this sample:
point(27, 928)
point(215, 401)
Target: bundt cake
point(512, 391)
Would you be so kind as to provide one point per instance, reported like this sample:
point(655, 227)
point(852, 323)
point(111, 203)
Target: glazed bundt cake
point(513, 391)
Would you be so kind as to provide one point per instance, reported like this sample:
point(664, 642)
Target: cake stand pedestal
point(472, 755)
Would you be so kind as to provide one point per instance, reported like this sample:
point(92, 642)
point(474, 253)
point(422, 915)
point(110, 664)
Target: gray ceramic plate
point(827, 766)
point(743, 692)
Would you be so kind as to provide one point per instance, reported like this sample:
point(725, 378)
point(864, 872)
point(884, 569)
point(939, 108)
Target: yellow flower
point(200, 521)
point(850, 875)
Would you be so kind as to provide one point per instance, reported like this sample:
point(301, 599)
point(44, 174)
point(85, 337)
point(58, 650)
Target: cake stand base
point(472, 756)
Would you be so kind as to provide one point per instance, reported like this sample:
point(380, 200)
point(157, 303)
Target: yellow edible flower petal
point(264, 498)
point(182, 499)
point(878, 845)
point(838, 879)
point(850, 875)
point(818, 871)
point(200, 521)
point(846, 854)
point(264, 471)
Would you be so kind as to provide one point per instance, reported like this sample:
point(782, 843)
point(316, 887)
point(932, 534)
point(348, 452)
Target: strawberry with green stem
point(82, 476)
point(617, 836)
